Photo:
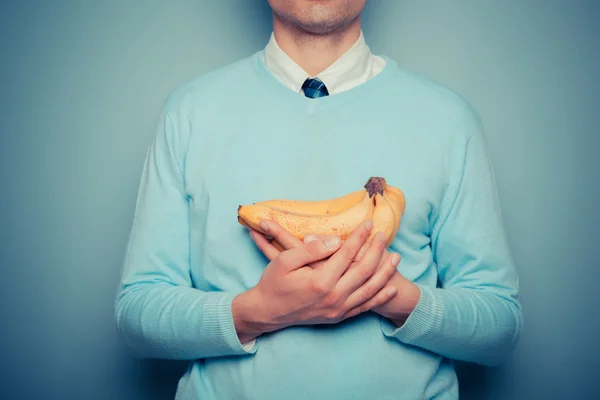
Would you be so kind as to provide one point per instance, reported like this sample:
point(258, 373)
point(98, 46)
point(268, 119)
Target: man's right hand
point(312, 284)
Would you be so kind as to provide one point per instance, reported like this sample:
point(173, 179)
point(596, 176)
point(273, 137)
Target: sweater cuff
point(424, 322)
point(219, 327)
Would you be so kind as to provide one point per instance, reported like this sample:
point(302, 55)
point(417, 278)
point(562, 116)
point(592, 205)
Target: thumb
point(310, 238)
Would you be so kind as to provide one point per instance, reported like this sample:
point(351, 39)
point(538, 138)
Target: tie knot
point(314, 87)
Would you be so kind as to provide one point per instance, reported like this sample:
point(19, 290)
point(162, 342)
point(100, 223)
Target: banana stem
point(375, 185)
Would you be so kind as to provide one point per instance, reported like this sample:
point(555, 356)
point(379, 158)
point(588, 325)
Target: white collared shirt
point(355, 66)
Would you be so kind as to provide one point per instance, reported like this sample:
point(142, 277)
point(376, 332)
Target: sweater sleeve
point(159, 314)
point(475, 314)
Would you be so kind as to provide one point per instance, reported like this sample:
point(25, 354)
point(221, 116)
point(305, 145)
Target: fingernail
point(332, 242)
point(310, 238)
point(395, 259)
point(392, 291)
point(369, 225)
point(264, 226)
point(381, 236)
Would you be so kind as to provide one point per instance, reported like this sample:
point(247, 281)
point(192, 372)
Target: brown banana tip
point(375, 185)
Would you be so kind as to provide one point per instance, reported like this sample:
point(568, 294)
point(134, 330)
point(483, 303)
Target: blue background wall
point(82, 83)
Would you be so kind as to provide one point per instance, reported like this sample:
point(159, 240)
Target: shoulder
point(198, 97)
point(437, 103)
point(209, 87)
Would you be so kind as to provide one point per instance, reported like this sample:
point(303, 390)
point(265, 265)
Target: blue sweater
point(235, 136)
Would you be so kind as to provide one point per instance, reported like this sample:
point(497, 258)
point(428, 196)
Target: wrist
point(246, 310)
point(408, 299)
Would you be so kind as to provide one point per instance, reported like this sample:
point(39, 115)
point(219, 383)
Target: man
point(313, 116)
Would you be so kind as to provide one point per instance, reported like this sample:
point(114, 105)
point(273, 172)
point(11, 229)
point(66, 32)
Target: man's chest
point(242, 162)
point(245, 160)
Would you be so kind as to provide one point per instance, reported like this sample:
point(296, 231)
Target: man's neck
point(314, 53)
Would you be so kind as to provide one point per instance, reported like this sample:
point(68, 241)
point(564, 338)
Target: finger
point(384, 259)
point(339, 262)
point(374, 284)
point(380, 298)
point(280, 234)
point(268, 249)
point(309, 253)
point(362, 250)
point(310, 238)
point(278, 245)
point(363, 270)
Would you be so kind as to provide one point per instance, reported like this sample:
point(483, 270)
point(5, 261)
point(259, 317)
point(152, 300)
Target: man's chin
point(322, 27)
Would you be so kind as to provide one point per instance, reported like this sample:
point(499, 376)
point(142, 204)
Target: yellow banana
point(379, 202)
point(384, 219)
point(316, 207)
point(301, 224)
point(396, 200)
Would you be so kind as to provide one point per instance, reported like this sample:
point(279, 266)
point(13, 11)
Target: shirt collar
point(354, 65)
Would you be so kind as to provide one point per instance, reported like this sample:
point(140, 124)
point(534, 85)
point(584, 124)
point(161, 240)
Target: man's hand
point(311, 283)
point(399, 307)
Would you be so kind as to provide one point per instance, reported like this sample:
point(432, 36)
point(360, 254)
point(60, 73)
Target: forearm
point(159, 312)
point(161, 320)
point(462, 324)
point(475, 316)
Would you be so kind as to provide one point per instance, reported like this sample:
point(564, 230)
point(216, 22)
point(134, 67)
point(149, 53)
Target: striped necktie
point(314, 87)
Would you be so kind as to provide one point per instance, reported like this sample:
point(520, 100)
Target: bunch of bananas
point(379, 202)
